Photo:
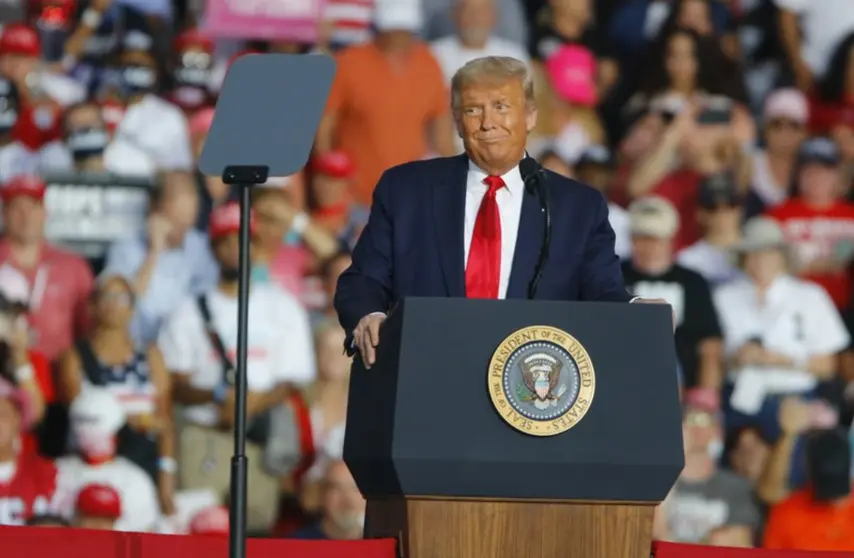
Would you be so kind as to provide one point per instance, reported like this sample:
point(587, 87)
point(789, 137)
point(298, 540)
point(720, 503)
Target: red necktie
point(484, 265)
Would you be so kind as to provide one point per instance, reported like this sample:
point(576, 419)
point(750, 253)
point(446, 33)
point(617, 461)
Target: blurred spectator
point(59, 282)
point(213, 192)
point(328, 407)
point(168, 262)
point(819, 222)
point(652, 273)
point(818, 517)
point(96, 417)
point(332, 199)
point(720, 214)
point(191, 74)
point(110, 358)
point(373, 113)
point(747, 451)
point(49, 521)
point(98, 506)
point(796, 417)
point(835, 93)
point(16, 158)
point(343, 508)
point(553, 161)
point(809, 32)
point(705, 497)
point(211, 521)
point(781, 334)
point(440, 22)
point(595, 168)
point(475, 22)
point(151, 124)
point(28, 483)
point(784, 129)
point(199, 344)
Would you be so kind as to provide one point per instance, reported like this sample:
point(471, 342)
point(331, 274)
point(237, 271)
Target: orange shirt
point(815, 234)
point(800, 523)
point(383, 111)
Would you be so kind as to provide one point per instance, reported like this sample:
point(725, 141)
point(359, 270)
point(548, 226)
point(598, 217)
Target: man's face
point(784, 135)
point(17, 66)
point(475, 20)
point(343, 504)
point(721, 217)
point(271, 222)
point(580, 10)
point(227, 251)
point(180, 203)
point(10, 424)
point(763, 266)
point(24, 218)
point(651, 253)
point(328, 190)
point(97, 523)
point(820, 182)
point(494, 120)
point(699, 430)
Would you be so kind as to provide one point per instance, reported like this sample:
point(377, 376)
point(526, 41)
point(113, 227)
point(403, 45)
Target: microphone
point(534, 177)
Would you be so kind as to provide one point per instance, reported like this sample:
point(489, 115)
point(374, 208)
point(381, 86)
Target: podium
point(515, 428)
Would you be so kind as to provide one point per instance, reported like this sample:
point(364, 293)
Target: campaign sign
point(87, 212)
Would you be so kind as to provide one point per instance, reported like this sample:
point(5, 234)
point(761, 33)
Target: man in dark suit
point(467, 226)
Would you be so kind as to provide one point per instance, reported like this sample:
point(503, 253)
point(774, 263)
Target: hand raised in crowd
point(366, 337)
point(794, 416)
point(158, 228)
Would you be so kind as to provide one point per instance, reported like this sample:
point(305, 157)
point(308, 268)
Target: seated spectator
point(343, 508)
point(138, 378)
point(98, 506)
point(596, 168)
point(199, 344)
point(96, 417)
point(328, 399)
point(818, 517)
point(784, 129)
point(721, 209)
point(706, 498)
point(781, 334)
point(333, 208)
point(28, 483)
point(819, 222)
point(211, 521)
point(167, 263)
point(652, 273)
point(59, 282)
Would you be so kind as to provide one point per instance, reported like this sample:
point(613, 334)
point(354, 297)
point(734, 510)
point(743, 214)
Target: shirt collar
point(512, 178)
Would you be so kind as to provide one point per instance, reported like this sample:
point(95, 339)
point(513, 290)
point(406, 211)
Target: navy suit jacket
point(413, 243)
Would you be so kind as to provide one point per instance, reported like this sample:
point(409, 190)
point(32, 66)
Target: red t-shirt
point(30, 491)
point(682, 189)
point(817, 233)
point(44, 380)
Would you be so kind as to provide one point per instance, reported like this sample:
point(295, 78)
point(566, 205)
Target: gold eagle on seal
point(541, 374)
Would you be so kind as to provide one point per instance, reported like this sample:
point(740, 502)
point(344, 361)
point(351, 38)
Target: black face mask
point(229, 273)
point(87, 142)
point(138, 79)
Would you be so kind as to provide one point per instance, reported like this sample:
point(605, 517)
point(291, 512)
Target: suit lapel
point(528, 243)
point(449, 202)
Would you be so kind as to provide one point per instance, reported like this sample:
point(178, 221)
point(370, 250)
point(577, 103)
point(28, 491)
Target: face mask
point(228, 273)
point(715, 449)
point(138, 79)
point(350, 522)
point(189, 96)
point(95, 447)
point(87, 142)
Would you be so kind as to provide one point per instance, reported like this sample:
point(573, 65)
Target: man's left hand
point(657, 301)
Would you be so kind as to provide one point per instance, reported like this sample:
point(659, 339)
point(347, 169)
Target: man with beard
point(199, 344)
point(343, 508)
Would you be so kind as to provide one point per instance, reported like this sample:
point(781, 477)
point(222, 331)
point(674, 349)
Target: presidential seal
point(541, 380)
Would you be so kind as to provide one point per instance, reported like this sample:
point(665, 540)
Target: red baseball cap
point(193, 38)
point(210, 521)
point(99, 500)
point(336, 164)
point(18, 38)
point(225, 220)
point(23, 185)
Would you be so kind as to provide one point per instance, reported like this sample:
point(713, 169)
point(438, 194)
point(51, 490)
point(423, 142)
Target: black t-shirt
point(696, 318)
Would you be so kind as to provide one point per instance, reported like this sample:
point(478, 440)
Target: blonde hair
point(492, 69)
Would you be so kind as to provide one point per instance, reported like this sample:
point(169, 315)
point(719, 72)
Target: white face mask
point(350, 522)
point(715, 449)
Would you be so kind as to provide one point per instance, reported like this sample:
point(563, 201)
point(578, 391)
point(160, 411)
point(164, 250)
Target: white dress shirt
point(509, 200)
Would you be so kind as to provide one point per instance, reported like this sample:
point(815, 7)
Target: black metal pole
point(237, 502)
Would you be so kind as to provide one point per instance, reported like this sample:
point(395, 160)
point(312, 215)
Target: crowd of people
point(720, 131)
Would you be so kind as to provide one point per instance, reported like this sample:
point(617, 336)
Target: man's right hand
point(366, 337)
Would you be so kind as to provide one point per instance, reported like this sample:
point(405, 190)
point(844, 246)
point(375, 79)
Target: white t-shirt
point(140, 507)
point(160, 130)
point(280, 344)
point(715, 264)
point(824, 24)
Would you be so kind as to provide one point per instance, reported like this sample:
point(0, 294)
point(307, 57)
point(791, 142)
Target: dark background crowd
point(720, 131)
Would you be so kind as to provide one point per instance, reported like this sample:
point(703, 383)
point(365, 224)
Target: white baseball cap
point(398, 15)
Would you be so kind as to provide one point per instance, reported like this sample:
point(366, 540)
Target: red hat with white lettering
point(210, 521)
point(99, 500)
point(20, 39)
point(336, 164)
point(23, 185)
point(193, 38)
point(225, 220)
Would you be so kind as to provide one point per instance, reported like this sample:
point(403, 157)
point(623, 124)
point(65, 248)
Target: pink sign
point(270, 20)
